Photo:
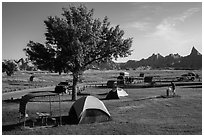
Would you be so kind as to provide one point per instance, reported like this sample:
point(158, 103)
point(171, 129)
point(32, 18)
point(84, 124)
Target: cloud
point(167, 34)
point(167, 27)
point(187, 14)
point(139, 25)
point(170, 22)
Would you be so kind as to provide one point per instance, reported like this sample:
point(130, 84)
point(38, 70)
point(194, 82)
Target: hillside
point(175, 61)
point(155, 61)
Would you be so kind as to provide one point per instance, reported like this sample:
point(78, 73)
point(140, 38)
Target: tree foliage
point(77, 39)
point(41, 55)
point(9, 67)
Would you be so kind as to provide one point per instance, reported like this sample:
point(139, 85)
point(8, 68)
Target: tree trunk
point(74, 88)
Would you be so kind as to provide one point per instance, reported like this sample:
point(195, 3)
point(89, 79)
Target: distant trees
point(9, 67)
point(77, 40)
point(23, 64)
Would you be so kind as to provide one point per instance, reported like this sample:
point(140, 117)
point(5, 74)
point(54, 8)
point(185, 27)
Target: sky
point(156, 27)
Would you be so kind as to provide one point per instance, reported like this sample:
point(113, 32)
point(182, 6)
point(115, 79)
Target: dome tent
point(88, 109)
point(126, 74)
point(116, 93)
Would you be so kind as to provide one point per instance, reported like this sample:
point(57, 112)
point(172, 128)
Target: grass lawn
point(130, 115)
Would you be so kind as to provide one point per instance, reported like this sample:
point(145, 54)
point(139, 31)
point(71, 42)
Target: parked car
point(188, 77)
point(63, 87)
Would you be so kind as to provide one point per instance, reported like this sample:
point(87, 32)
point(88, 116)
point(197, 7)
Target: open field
point(20, 80)
point(136, 114)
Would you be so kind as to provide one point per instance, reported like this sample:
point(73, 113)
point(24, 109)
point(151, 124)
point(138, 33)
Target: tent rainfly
point(88, 109)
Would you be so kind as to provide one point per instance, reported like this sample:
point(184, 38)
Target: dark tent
point(88, 110)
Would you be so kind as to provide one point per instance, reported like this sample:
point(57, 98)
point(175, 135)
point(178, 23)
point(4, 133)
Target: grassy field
point(137, 114)
point(20, 80)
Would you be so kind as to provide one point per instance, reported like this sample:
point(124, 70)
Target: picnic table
point(43, 116)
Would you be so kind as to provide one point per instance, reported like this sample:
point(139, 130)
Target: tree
point(9, 67)
point(78, 40)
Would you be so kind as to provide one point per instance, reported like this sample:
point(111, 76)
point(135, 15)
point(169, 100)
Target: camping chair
point(45, 117)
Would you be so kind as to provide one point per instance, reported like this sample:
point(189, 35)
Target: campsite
point(80, 68)
point(145, 110)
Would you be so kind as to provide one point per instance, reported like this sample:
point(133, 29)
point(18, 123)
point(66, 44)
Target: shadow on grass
point(170, 96)
point(83, 94)
point(29, 124)
point(103, 94)
point(12, 101)
point(64, 120)
point(12, 126)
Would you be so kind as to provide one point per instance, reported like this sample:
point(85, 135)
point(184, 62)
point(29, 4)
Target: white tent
point(126, 74)
point(116, 93)
point(121, 92)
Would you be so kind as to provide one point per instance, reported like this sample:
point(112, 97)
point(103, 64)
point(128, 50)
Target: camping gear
point(116, 93)
point(30, 96)
point(88, 109)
